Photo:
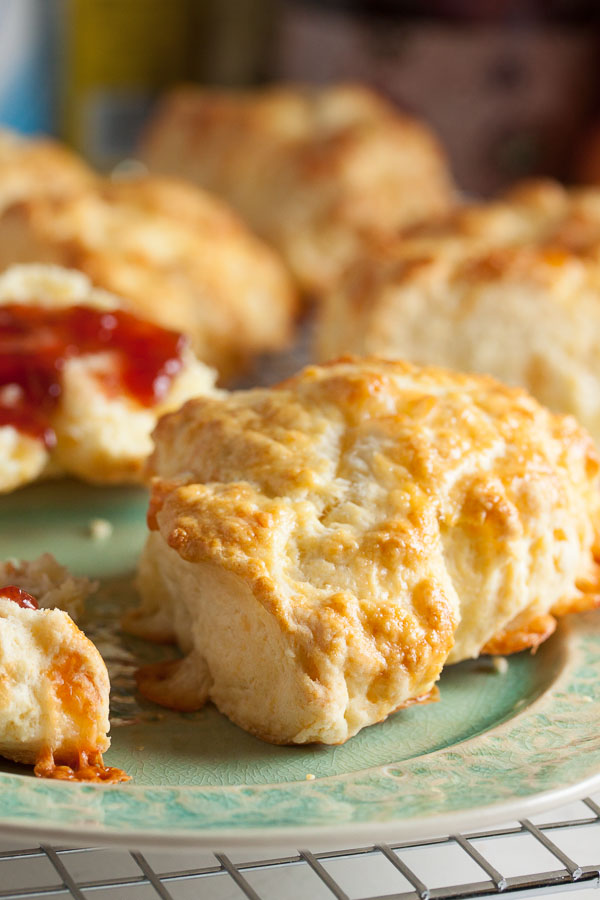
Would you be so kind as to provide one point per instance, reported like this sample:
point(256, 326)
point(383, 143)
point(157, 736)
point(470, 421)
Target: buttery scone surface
point(311, 169)
point(508, 288)
point(315, 546)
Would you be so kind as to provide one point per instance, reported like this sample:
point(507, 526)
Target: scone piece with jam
point(83, 380)
point(320, 549)
point(176, 255)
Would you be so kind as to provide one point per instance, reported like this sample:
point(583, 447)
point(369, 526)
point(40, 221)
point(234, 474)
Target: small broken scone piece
point(176, 255)
point(54, 692)
point(51, 583)
point(312, 169)
point(508, 288)
point(320, 549)
point(82, 379)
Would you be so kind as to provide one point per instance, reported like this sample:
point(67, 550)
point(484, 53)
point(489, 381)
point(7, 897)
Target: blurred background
point(512, 87)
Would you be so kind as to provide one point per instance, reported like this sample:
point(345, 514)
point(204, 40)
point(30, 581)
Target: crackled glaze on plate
point(496, 746)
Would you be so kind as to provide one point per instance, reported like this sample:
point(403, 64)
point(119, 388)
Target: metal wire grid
point(408, 871)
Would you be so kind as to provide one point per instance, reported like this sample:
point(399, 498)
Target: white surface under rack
point(559, 850)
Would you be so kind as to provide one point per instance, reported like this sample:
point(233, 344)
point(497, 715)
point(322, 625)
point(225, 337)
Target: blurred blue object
point(26, 65)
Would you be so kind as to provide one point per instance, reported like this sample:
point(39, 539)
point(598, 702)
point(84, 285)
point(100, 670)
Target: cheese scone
point(319, 550)
point(311, 169)
point(34, 167)
point(177, 255)
point(508, 288)
point(54, 691)
point(82, 380)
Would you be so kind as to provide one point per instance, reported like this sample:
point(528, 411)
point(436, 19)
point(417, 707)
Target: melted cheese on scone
point(311, 169)
point(100, 435)
point(508, 288)
point(320, 549)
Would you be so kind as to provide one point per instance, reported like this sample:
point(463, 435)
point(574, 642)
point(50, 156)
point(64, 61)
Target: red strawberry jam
point(18, 596)
point(37, 341)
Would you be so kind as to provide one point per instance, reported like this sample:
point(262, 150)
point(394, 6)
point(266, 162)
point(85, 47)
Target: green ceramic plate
point(496, 747)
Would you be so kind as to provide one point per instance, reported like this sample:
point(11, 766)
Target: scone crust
point(508, 288)
point(311, 169)
point(366, 508)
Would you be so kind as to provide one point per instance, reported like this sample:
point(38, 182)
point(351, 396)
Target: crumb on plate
point(100, 529)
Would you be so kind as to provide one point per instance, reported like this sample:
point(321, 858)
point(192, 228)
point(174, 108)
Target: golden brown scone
point(92, 427)
point(311, 169)
point(178, 256)
point(508, 288)
point(54, 691)
point(320, 549)
point(38, 167)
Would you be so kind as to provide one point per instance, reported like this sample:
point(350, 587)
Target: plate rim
point(62, 812)
point(392, 832)
point(562, 702)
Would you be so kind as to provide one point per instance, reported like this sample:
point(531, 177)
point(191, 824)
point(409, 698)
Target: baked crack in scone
point(508, 288)
point(319, 550)
point(54, 693)
point(312, 169)
point(82, 380)
point(177, 255)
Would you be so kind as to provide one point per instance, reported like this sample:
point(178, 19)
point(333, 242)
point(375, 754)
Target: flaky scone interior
point(320, 550)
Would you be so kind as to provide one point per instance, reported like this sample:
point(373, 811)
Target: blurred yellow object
point(116, 57)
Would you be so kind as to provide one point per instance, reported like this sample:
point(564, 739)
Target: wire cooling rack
point(554, 851)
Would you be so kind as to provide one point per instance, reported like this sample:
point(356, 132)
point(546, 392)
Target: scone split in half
point(83, 380)
point(319, 550)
